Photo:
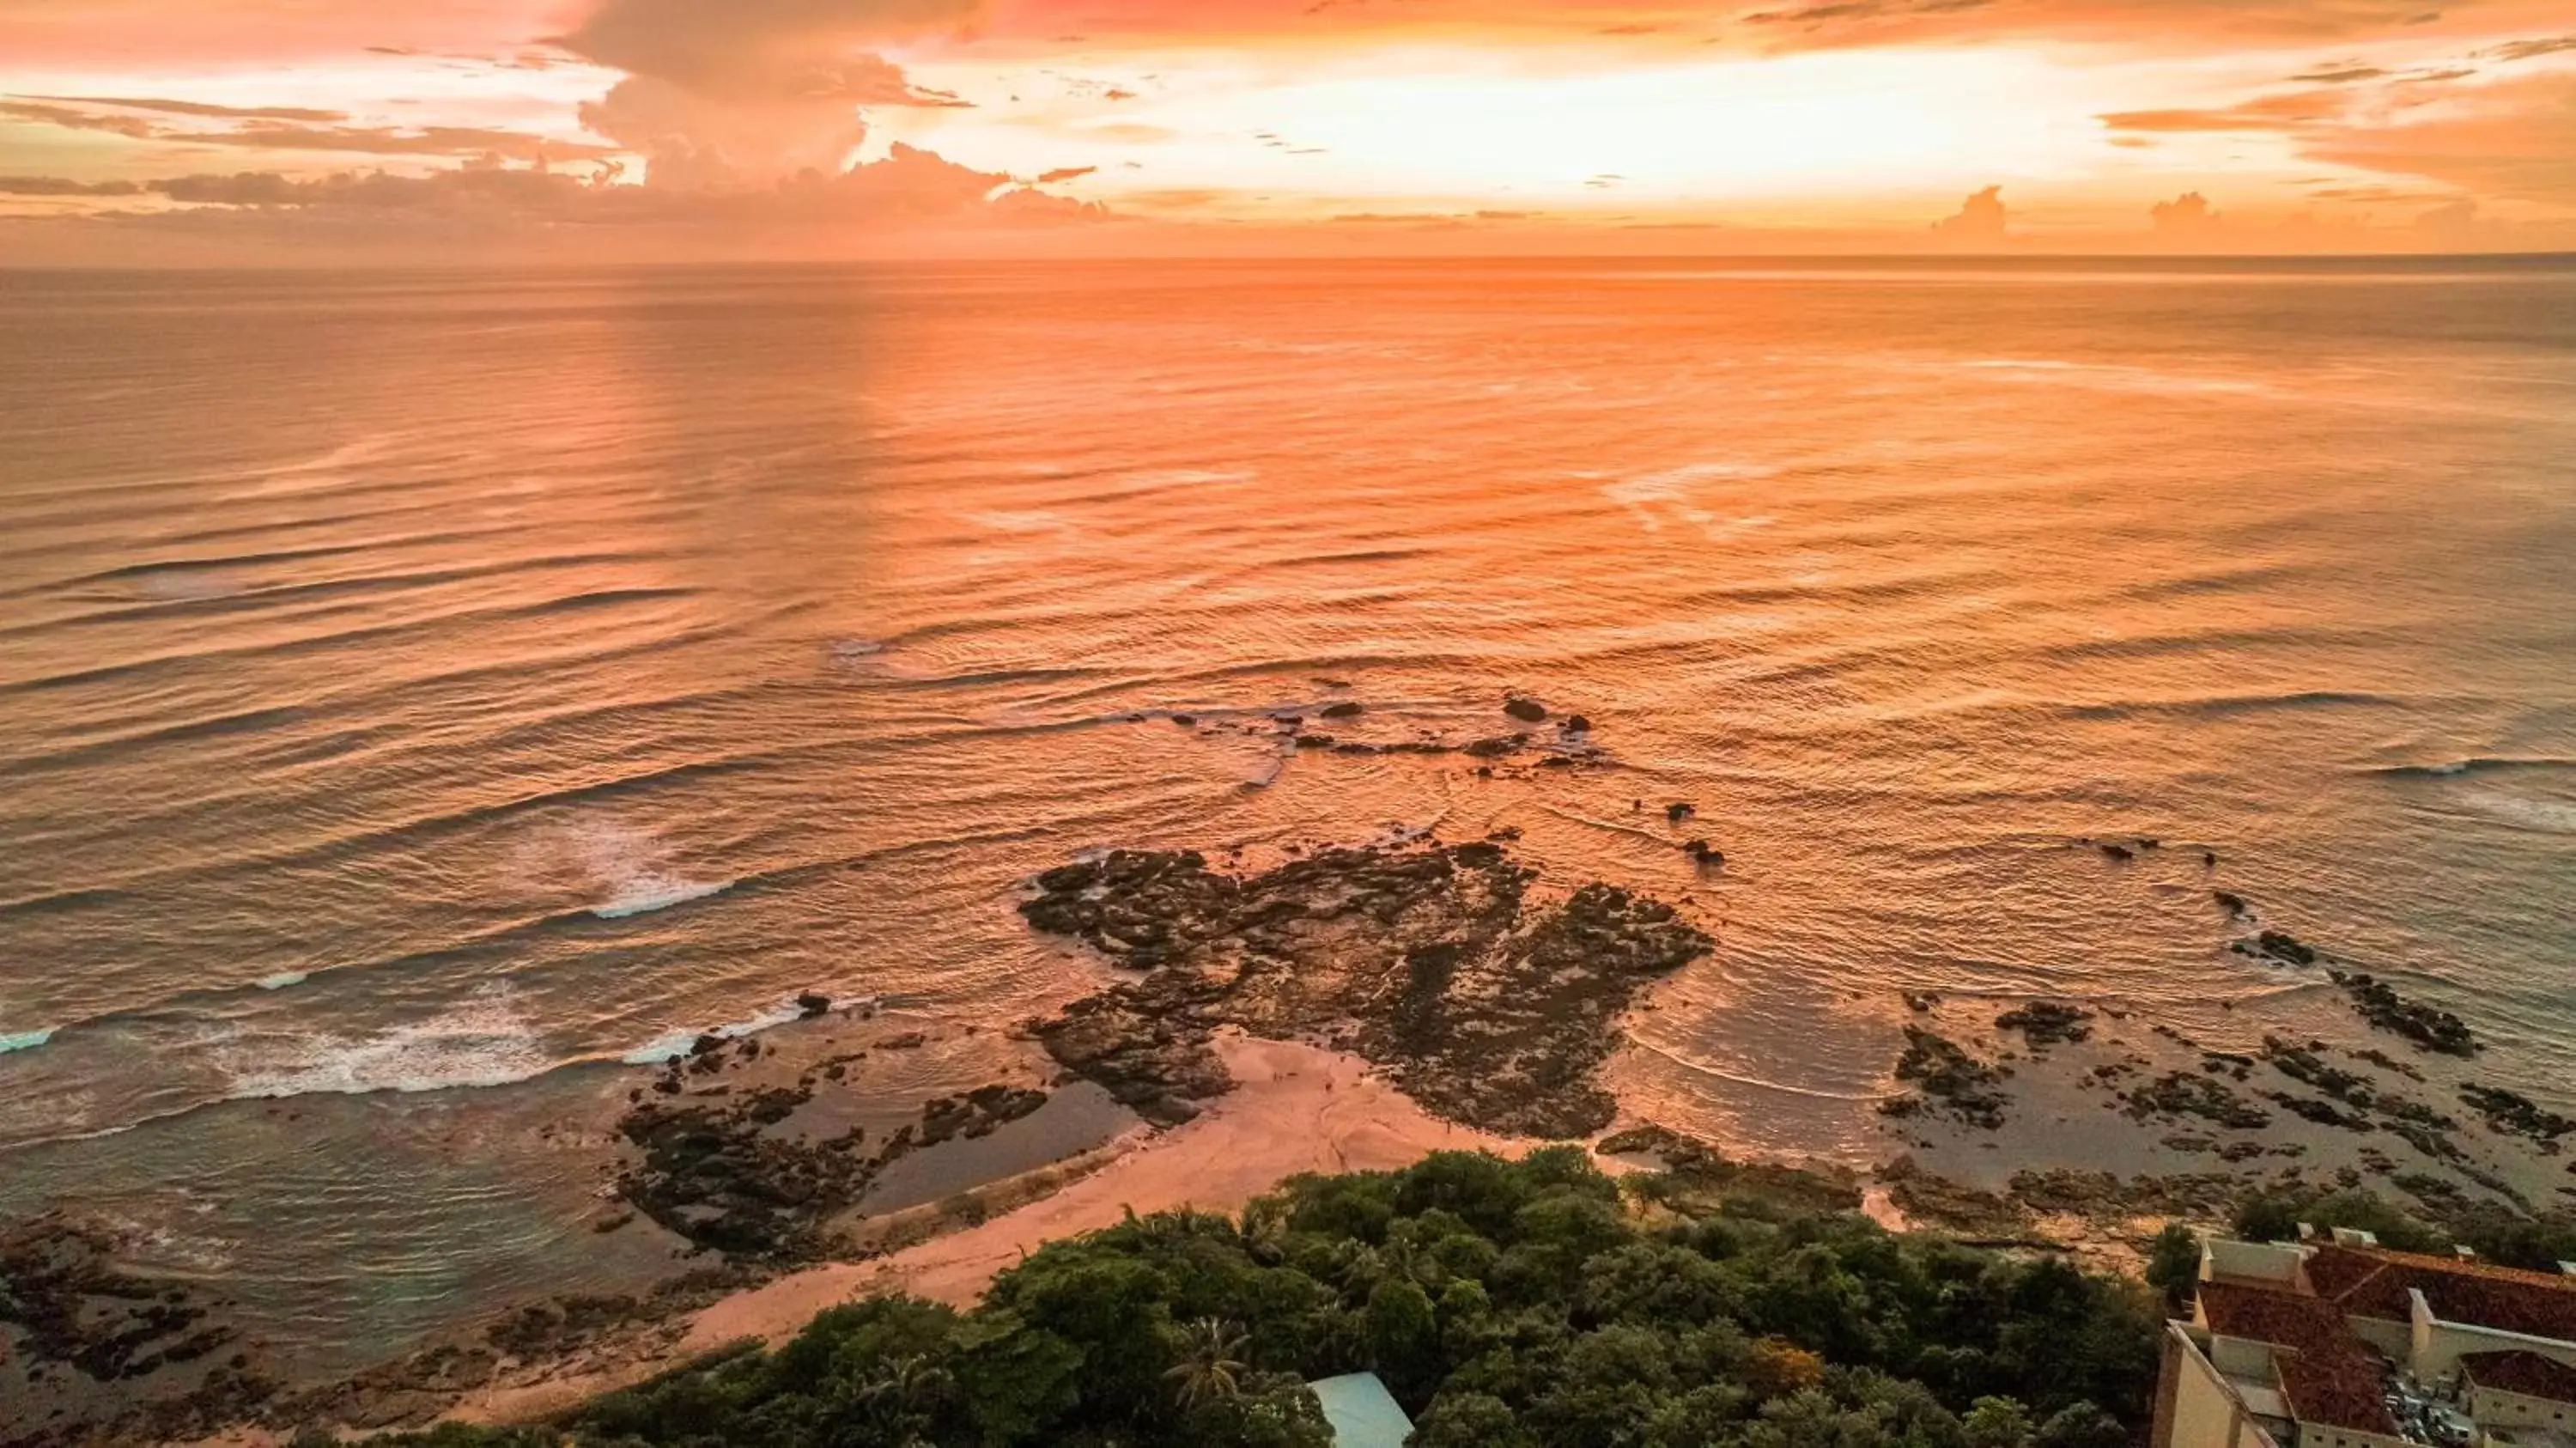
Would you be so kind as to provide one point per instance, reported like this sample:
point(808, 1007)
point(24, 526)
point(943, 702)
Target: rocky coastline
point(1485, 995)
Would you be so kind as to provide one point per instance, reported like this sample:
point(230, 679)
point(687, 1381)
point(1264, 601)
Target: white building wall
point(2241, 1358)
point(2493, 1408)
point(2317, 1435)
point(2395, 1339)
point(2207, 1413)
point(2250, 1261)
point(2435, 1347)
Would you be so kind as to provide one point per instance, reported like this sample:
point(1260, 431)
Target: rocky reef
point(726, 1168)
point(1486, 1005)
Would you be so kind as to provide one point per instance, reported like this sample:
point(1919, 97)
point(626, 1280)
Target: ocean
point(421, 693)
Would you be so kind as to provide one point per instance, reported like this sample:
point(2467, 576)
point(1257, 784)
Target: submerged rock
point(2277, 945)
point(1528, 711)
point(2429, 1027)
point(1945, 1076)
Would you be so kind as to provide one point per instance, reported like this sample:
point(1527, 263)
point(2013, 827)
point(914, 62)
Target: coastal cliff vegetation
point(1507, 1304)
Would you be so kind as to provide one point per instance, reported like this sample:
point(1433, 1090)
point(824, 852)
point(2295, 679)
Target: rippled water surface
point(415, 682)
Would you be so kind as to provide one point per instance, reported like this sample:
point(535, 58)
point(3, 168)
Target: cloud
point(2186, 218)
point(720, 95)
point(295, 134)
point(2136, 23)
point(63, 186)
point(198, 108)
point(2512, 140)
point(696, 142)
point(2289, 110)
point(1064, 173)
point(2532, 49)
point(909, 188)
point(134, 127)
point(1982, 217)
point(769, 50)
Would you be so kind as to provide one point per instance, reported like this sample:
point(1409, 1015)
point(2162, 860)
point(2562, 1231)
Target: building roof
point(2527, 1373)
point(2263, 1314)
point(2374, 1282)
point(2327, 1375)
point(1362, 1412)
point(2339, 1390)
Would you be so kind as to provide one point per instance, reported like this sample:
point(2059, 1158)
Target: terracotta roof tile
point(2259, 1314)
point(2340, 1391)
point(2327, 1375)
point(2527, 1373)
point(2374, 1282)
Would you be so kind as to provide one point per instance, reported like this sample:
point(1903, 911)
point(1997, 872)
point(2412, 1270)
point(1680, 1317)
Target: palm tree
point(1211, 1364)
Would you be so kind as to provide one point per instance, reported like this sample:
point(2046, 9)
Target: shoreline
point(1296, 1107)
point(1230, 1079)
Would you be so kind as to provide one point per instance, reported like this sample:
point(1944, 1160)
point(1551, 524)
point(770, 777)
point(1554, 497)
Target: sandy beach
point(1298, 1108)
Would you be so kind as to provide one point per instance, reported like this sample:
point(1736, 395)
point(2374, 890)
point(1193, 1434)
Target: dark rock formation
point(716, 1168)
point(2431, 1028)
point(2278, 945)
point(1487, 1009)
point(2179, 1093)
point(2048, 1023)
point(1946, 1077)
point(2516, 1115)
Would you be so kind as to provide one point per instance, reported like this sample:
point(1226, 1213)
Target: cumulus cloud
point(720, 95)
point(760, 49)
point(1983, 217)
point(2186, 218)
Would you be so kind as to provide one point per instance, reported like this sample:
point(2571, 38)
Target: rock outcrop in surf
point(1487, 1006)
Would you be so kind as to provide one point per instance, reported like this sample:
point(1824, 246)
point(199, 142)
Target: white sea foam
point(482, 1041)
point(281, 980)
point(629, 871)
point(676, 1043)
point(1654, 499)
point(652, 891)
point(2552, 816)
point(24, 1040)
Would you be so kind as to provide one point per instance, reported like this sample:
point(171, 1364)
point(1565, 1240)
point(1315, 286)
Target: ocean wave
point(2219, 706)
point(671, 1044)
point(2473, 765)
point(648, 893)
point(485, 1041)
point(25, 1040)
point(631, 868)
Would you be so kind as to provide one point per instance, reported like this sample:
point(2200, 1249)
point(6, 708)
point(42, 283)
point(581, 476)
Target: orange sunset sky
point(186, 131)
